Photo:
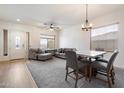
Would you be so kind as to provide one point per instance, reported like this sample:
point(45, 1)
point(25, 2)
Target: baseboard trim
point(16, 59)
point(12, 60)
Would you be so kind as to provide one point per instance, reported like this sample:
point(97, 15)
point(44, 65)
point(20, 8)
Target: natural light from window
point(18, 42)
point(105, 38)
point(47, 42)
point(104, 30)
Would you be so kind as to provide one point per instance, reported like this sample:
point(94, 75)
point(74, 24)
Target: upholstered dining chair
point(73, 63)
point(105, 68)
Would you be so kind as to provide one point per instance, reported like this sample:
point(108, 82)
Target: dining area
point(90, 64)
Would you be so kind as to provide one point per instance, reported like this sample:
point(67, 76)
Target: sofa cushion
point(33, 50)
point(40, 51)
point(44, 56)
point(59, 50)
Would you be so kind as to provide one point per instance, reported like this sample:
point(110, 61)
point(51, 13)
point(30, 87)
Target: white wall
point(34, 35)
point(74, 37)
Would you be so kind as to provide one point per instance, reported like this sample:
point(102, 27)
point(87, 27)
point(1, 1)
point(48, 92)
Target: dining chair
point(73, 63)
point(106, 60)
point(105, 68)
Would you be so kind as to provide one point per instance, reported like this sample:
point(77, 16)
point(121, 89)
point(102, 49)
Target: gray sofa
point(60, 53)
point(38, 54)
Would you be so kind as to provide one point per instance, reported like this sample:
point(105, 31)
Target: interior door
point(17, 45)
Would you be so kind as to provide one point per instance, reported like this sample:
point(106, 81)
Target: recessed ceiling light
point(18, 20)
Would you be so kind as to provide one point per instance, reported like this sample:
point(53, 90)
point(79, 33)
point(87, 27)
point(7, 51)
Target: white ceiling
point(61, 14)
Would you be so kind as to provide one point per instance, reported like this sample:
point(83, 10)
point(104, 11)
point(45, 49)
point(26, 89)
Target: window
point(43, 43)
point(17, 42)
point(47, 41)
point(105, 38)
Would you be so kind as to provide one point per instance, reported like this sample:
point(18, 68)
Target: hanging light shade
point(86, 26)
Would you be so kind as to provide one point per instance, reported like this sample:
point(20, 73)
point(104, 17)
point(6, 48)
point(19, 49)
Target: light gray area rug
point(51, 74)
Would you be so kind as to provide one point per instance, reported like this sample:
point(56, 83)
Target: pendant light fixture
point(86, 26)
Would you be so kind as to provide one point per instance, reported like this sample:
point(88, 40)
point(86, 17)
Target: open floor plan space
point(61, 45)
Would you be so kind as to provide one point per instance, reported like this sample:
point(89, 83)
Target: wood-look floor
point(15, 74)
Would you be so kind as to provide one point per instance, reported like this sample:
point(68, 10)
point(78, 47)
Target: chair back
point(71, 59)
point(111, 60)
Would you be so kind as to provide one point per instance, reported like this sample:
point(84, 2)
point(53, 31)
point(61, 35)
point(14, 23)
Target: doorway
point(18, 45)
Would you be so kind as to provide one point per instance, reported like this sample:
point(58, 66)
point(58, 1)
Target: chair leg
point(108, 79)
point(112, 78)
point(85, 73)
point(90, 73)
point(76, 79)
point(66, 73)
point(94, 72)
point(113, 71)
point(112, 75)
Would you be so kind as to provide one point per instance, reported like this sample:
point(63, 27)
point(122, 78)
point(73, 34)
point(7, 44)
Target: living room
point(36, 37)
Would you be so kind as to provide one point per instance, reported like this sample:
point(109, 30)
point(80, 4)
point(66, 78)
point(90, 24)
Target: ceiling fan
point(51, 26)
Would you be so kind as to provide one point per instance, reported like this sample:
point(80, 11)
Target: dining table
point(91, 55)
